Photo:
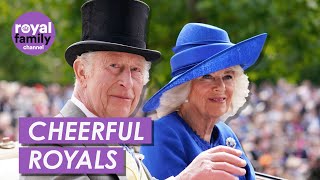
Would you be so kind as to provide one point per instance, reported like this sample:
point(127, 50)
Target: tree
point(291, 51)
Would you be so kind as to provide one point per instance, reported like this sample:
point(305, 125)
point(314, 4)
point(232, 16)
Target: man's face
point(114, 83)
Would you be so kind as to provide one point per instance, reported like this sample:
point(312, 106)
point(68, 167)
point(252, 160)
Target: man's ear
point(80, 72)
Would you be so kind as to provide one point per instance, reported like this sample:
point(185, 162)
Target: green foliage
point(50, 66)
point(292, 48)
point(291, 51)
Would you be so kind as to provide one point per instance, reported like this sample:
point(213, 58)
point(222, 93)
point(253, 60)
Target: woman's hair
point(172, 99)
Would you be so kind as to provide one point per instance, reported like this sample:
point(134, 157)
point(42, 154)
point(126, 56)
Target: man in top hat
point(111, 66)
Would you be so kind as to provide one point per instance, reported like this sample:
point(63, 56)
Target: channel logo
point(33, 33)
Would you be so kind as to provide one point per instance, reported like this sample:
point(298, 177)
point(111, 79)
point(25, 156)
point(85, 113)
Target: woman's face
point(210, 95)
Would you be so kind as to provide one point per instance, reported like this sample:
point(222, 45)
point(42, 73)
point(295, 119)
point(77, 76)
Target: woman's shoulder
point(225, 129)
point(223, 125)
point(170, 124)
point(169, 119)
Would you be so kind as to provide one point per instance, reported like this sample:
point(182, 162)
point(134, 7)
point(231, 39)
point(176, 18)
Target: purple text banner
point(85, 130)
point(71, 160)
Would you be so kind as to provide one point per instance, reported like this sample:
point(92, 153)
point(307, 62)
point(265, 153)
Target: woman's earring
point(186, 101)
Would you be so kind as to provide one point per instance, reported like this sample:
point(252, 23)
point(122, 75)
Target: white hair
point(172, 99)
point(146, 69)
point(87, 60)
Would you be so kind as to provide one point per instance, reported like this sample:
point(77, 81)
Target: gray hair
point(87, 60)
point(172, 99)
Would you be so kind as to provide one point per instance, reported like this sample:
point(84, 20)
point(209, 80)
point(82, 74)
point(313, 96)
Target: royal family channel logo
point(33, 33)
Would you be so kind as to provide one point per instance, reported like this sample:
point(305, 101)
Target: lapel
point(149, 176)
point(71, 110)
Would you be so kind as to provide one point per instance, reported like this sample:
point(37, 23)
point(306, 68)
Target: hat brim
point(81, 47)
point(244, 53)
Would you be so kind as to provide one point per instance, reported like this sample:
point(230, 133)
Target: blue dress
point(176, 145)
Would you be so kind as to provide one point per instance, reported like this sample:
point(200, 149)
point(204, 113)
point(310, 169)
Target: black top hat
point(113, 25)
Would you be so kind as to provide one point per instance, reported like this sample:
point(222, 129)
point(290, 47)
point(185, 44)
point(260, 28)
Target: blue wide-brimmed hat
point(203, 49)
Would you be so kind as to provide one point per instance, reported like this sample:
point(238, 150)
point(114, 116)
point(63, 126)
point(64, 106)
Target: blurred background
point(280, 126)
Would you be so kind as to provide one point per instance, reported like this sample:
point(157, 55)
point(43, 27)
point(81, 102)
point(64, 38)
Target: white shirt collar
point(82, 107)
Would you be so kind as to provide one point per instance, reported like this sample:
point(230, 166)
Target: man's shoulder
point(58, 115)
point(70, 110)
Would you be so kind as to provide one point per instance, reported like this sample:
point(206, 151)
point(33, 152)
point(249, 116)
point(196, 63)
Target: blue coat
point(176, 145)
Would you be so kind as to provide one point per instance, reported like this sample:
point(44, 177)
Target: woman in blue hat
point(208, 86)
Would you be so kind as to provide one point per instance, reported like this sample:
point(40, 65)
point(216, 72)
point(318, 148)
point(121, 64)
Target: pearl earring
point(186, 101)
